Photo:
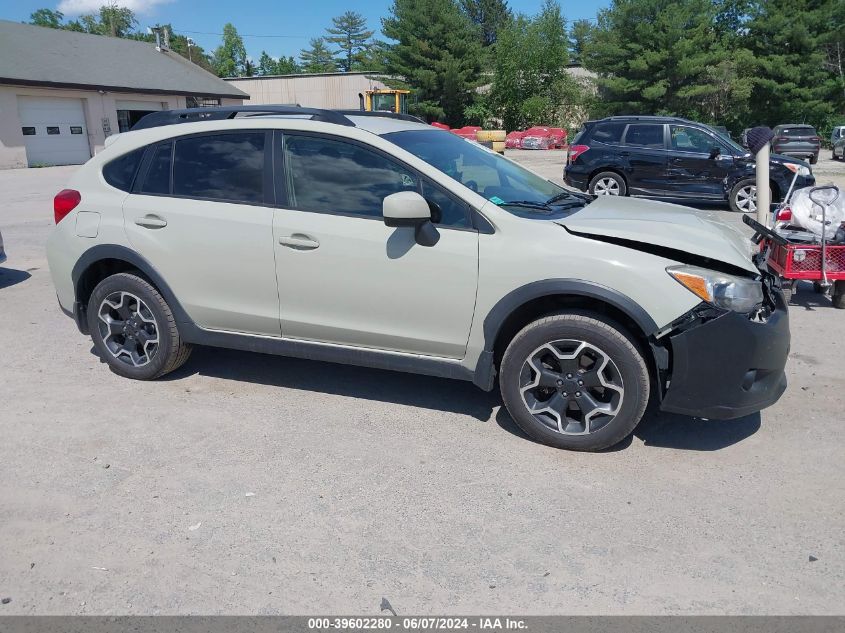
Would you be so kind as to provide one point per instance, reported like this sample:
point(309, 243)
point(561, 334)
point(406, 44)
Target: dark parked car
point(837, 142)
point(668, 157)
point(801, 141)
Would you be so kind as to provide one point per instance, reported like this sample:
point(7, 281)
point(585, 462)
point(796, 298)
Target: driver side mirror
point(410, 209)
point(715, 152)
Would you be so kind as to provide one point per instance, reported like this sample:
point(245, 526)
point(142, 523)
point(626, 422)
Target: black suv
point(668, 157)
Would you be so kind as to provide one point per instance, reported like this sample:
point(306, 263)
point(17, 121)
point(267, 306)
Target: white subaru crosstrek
point(381, 241)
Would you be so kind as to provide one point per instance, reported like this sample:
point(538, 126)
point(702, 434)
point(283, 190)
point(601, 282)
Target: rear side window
point(120, 172)
point(157, 180)
point(227, 167)
point(645, 135)
point(610, 133)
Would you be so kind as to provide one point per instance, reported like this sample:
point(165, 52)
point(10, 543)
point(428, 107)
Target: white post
point(763, 193)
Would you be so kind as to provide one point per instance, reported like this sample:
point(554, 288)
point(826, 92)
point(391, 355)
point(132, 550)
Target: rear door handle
point(151, 221)
point(299, 242)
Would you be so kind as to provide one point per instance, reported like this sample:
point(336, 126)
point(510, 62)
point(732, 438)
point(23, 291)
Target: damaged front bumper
point(726, 365)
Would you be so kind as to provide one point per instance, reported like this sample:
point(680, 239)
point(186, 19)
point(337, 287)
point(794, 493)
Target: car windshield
point(491, 175)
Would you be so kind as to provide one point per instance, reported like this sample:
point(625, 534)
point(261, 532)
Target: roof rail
point(192, 115)
point(387, 115)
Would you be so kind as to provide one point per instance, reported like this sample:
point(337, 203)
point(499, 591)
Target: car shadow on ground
point(669, 430)
point(414, 390)
point(656, 429)
point(12, 276)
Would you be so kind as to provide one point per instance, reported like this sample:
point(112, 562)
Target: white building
point(334, 91)
point(62, 93)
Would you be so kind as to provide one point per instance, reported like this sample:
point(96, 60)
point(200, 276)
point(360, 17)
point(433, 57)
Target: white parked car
point(379, 241)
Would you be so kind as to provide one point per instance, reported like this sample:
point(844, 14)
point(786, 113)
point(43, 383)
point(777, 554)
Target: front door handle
point(299, 242)
point(151, 221)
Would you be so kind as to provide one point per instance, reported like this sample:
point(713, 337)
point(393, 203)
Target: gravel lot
point(253, 484)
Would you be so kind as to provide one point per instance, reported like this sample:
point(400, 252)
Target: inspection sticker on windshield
point(496, 200)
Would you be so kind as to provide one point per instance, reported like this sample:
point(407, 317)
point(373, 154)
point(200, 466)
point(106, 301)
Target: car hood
point(669, 226)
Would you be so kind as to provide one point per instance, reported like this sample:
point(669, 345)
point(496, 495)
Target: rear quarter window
point(120, 173)
point(609, 133)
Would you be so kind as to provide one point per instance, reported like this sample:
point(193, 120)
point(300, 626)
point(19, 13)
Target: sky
point(291, 24)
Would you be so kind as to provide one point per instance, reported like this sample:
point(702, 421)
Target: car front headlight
point(728, 292)
point(795, 168)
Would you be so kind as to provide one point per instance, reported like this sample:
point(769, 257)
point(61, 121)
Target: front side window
point(645, 135)
point(226, 167)
point(446, 210)
point(332, 176)
point(690, 139)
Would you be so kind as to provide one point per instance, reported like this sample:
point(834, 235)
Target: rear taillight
point(784, 215)
point(815, 139)
point(65, 202)
point(575, 151)
point(780, 139)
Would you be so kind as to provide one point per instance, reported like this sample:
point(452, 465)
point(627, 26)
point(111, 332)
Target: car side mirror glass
point(715, 152)
point(410, 209)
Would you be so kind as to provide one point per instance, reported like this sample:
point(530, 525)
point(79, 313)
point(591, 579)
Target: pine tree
point(579, 37)
point(318, 58)
point(436, 53)
point(349, 33)
point(490, 16)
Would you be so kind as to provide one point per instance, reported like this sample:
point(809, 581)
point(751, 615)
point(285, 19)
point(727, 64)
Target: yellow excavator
point(385, 100)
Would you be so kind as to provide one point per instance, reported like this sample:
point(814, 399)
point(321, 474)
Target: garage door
point(54, 130)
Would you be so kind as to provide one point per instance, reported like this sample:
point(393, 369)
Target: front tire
point(608, 183)
point(133, 328)
point(574, 381)
point(743, 196)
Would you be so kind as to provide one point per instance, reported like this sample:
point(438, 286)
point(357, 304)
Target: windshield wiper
point(581, 197)
point(528, 204)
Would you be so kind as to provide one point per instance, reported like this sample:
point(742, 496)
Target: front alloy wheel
point(575, 380)
point(128, 328)
point(746, 199)
point(571, 387)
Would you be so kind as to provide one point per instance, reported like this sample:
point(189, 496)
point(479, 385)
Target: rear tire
point(788, 288)
point(608, 183)
point(814, 159)
point(574, 381)
point(133, 328)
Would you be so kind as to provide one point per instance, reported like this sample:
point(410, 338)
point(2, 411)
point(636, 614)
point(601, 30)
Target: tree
point(436, 53)
point(268, 65)
point(229, 59)
point(579, 37)
point(318, 58)
point(794, 43)
point(47, 17)
point(530, 82)
point(490, 16)
point(668, 57)
point(115, 21)
point(349, 33)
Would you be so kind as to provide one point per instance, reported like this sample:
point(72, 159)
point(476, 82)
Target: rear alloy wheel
point(607, 183)
point(575, 382)
point(133, 328)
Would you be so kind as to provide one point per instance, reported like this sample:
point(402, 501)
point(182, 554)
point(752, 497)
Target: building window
point(28, 131)
point(201, 102)
point(76, 129)
point(53, 130)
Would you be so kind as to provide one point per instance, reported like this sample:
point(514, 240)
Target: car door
point(346, 278)
point(201, 212)
point(693, 171)
point(643, 151)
